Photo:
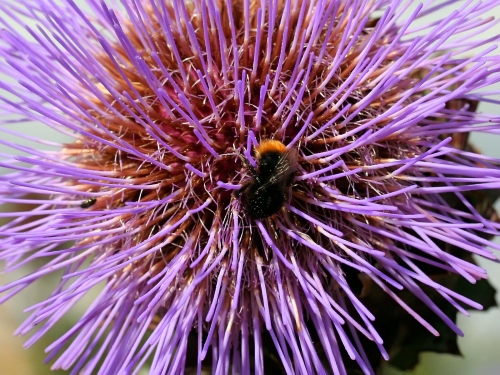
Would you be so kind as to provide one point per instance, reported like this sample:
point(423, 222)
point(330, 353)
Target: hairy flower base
point(162, 98)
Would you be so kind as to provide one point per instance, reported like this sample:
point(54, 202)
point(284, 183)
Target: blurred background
point(480, 346)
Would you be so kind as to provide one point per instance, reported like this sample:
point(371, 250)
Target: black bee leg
point(243, 188)
point(248, 166)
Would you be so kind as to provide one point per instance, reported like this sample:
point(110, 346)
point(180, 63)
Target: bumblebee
point(88, 203)
point(266, 192)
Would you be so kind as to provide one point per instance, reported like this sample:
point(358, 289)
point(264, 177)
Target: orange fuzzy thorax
point(269, 145)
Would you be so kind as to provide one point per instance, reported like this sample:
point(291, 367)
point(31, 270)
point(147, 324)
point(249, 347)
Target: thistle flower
point(162, 98)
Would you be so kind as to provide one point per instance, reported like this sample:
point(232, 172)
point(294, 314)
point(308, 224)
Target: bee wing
point(286, 166)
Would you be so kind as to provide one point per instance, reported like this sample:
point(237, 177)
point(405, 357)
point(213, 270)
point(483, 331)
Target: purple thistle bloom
point(161, 98)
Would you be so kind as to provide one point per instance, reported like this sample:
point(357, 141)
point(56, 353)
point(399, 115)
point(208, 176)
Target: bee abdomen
point(265, 203)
